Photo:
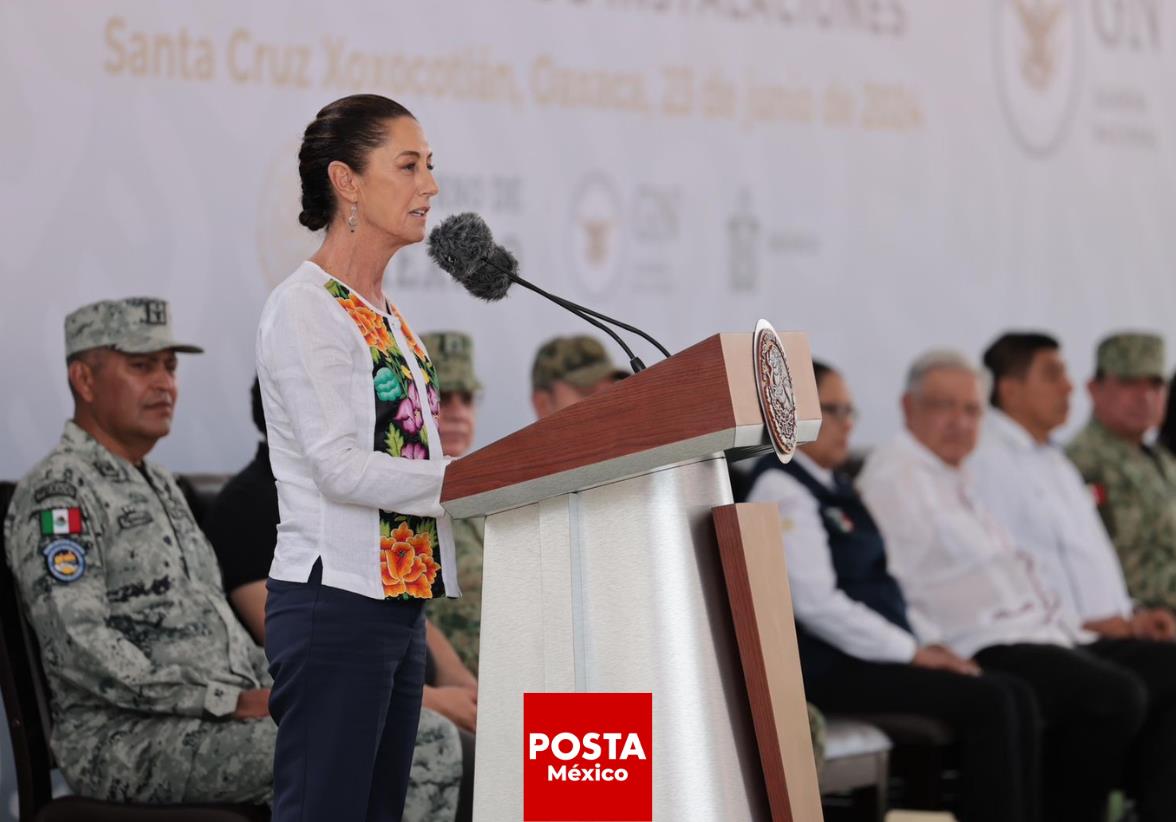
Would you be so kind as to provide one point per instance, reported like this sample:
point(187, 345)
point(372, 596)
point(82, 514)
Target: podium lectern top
point(698, 403)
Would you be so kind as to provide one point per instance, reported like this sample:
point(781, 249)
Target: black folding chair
point(26, 703)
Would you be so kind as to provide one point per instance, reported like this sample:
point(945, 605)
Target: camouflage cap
point(580, 360)
point(452, 353)
point(136, 325)
point(1131, 355)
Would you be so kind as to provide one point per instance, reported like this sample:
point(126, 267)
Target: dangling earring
point(353, 218)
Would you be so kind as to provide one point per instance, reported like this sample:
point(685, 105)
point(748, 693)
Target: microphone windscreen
point(460, 244)
point(491, 280)
point(504, 261)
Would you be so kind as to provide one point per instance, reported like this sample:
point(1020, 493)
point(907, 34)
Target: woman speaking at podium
point(351, 402)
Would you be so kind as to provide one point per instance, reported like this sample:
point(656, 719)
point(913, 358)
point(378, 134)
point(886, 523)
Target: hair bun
point(312, 220)
point(347, 130)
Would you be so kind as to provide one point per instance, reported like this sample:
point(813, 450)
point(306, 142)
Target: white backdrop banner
point(888, 175)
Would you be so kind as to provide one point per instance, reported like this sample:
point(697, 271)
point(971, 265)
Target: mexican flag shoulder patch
point(55, 521)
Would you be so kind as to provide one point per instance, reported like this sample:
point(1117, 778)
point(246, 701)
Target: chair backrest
point(23, 686)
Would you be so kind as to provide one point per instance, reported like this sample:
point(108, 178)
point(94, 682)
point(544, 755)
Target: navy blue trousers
point(348, 676)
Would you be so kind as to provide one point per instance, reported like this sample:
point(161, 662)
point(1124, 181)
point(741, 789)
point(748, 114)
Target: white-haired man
point(966, 580)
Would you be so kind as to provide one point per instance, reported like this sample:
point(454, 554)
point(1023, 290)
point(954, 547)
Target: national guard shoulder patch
point(65, 559)
point(56, 488)
point(59, 521)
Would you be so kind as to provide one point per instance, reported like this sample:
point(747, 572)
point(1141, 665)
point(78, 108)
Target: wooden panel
point(804, 382)
point(741, 379)
point(752, 551)
point(684, 397)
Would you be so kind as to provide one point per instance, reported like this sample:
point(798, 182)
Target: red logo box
point(587, 757)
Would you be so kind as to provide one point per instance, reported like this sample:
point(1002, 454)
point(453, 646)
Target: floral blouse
point(409, 556)
point(350, 403)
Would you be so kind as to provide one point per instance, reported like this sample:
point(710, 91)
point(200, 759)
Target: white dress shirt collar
point(907, 442)
point(821, 475)
point(1000, 424)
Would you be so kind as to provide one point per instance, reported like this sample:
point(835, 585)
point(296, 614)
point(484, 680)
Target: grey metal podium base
point(619, 588)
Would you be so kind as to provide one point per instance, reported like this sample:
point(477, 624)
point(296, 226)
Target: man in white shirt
point(962, 573)
point(859, 653)
point(1033, 489)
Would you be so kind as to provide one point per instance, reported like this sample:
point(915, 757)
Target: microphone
point(463, 246)
point(460, 245)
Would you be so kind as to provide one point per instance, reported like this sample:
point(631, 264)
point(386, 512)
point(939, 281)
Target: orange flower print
point(371, 325)
point(413, 343)
point(406, 564)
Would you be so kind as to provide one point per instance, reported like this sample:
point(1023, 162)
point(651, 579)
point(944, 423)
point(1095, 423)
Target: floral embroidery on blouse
point(409, 556)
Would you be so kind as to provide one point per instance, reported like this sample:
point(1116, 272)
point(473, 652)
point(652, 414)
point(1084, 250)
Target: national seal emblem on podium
point(777, 397)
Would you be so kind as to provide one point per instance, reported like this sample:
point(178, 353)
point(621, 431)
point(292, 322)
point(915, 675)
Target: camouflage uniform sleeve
point(1093, 475)
point(63, 583)
point(261, 666)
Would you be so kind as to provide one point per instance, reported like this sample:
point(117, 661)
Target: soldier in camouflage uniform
point(569, 369)
point(157, 692)
point(459, 619)
point(433, 782)
point(817, 736)
point(1134, 483)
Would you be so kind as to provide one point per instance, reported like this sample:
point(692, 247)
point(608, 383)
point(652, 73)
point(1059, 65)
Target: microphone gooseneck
point(634, 361)
point(505, 271)
point(566, 303)
point(463, 246)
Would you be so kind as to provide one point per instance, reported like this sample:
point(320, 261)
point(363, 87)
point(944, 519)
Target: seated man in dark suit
point(859, 652)
point(242, 528)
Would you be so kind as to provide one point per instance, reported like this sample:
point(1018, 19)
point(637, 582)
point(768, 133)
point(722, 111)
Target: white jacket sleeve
point(306, 356)
point(823, 608)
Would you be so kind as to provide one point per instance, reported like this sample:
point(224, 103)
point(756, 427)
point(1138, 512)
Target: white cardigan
point(315, 371)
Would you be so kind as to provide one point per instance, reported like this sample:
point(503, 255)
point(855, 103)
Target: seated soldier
point(569, 369)
point(964, 575)
point(858, 650)
point(1167, 435)
point(158, 694)
point(459, 619)
point(1134, 482)
point(241, 525)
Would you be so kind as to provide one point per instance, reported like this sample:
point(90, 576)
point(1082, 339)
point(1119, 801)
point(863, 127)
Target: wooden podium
point(615, 561)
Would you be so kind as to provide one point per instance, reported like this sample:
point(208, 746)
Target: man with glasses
point(859, 651)
point(964, 576)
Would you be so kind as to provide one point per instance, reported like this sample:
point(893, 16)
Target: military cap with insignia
point(580, 360)
point(452, 354)
point(135, 325)
point(1131, 355)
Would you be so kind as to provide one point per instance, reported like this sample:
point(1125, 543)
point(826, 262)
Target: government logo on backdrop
point(595, 233)
point(1037, 51)
point(587, 756)
point(743, 241)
